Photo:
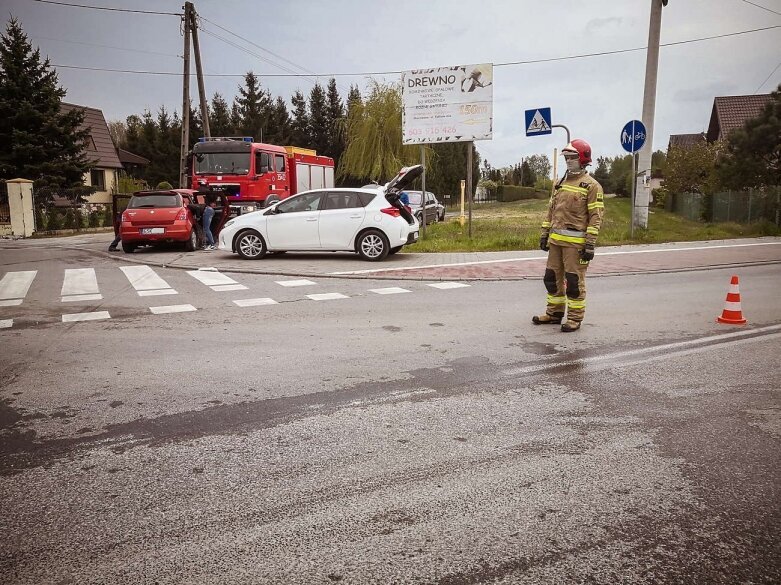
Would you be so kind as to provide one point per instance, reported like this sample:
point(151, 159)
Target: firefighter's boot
point(569, 326)
point(546, 319)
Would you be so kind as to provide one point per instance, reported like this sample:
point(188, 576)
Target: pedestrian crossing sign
point(538, 121)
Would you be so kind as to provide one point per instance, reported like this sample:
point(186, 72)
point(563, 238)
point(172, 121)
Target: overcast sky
point(594, 96)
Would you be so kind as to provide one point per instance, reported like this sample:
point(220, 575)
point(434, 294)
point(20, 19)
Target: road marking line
point(302, 282)
point(447, 285)
point(327, 296)
point(6, 323)
point(79, 281)
point(254, 302)
point(532, 258)
point(144, 278)
point(94, 316)
point(391, 290)
point(211, 277)
point(172, 309)
point(155, 293)
point(663, 350)
point(11, 303)
point(227, 287)
point(72, 298)
point(14, 286)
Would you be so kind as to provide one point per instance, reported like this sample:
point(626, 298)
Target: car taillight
point(125, 216)
point(182, 215)
point(392, 211)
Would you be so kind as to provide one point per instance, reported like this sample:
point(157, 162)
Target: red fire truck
point(255, 175)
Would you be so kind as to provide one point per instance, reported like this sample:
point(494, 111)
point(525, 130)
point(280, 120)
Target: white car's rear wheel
point(250, 245)
point(372, 245)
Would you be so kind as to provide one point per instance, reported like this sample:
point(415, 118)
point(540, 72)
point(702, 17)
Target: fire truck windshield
point(222, 163)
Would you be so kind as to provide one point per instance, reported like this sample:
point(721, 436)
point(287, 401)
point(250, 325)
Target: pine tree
point(299, 126)
point(334, 119)
point(219, 117)
point(353, 98)
point(318, 120)
point(39, 141)
point(255, 107)
point(279, 124)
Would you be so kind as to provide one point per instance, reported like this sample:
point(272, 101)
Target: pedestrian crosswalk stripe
point(6, 323)
point(94, 316)
point(227, 287)
point(155, 293)
point(14, 287)
point(146, 281)
point(447, 285)
point(301, 282)
point(327, 296)
point(254, 302)
point(79, 281)
point(73, 298)
point(172, 309)
point(392, 290)
point(212, 278)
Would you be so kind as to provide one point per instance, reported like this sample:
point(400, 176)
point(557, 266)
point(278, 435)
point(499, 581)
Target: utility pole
point(198, 69)
point(185, 146)
point(643, 178)
point(470, 147)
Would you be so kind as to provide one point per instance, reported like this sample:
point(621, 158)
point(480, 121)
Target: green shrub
point(93, 220)
point(507, 193)
point(54, 220)
point(78, 218)
point(108, 220)
point(164, 185)
point(659, 197)
point(69, 222)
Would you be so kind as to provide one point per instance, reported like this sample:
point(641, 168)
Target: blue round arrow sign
point(633, 136)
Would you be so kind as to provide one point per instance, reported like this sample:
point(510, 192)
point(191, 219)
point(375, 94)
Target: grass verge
point(516, 226)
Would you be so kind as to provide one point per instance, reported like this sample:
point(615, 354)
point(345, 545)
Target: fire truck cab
point(254, 175)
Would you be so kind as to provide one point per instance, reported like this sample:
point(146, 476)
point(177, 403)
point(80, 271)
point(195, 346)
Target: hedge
point(507, 193)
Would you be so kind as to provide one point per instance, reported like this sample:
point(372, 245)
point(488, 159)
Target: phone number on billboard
point(433, 131)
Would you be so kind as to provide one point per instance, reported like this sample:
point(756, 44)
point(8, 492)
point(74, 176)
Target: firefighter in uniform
point(569, 234)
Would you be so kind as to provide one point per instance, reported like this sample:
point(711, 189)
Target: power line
point(270, 52)
point(107, 8)
point(365, 73)
point(766, 78)
point(762, 7)
point(109, 47)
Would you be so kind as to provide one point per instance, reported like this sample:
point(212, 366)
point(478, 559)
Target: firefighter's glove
point(587, 253)
point(544, 243)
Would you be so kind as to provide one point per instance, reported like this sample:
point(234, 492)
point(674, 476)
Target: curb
point(127, 258)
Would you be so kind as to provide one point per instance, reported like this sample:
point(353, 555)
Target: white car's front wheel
point(372, 245)
point(250, 245)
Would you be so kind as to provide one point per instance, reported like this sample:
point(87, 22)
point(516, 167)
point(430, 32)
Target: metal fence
point(733, 206)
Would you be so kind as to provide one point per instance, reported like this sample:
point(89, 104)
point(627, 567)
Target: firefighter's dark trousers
point(565, 280)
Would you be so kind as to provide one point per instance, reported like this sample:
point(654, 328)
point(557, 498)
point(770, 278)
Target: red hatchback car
point(155, 217)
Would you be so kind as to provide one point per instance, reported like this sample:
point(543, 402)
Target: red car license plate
point(147, 231)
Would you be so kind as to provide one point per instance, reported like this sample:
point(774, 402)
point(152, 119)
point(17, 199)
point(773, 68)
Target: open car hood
point(405, 178)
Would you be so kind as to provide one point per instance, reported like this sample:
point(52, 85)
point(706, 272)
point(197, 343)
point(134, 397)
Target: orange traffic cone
point(732, 314)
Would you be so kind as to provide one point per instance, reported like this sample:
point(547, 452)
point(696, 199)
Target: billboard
point(448, 104)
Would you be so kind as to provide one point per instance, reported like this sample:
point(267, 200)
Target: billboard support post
point(423, 191)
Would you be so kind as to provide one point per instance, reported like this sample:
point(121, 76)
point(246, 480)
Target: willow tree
point(373, 135)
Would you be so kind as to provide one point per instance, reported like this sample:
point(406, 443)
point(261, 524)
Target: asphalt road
point(430, 436)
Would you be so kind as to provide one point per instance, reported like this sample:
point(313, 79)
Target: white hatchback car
point(370, 221)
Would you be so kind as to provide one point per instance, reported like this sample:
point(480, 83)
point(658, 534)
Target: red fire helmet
point(582, 148)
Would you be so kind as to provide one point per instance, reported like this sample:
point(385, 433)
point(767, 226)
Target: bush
point(93, 220)
point(78, 218)
point(108, 220)
point(54, 220)
point(164, 185)
point(69, 222)
point(659, 197)
point(507, 193)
